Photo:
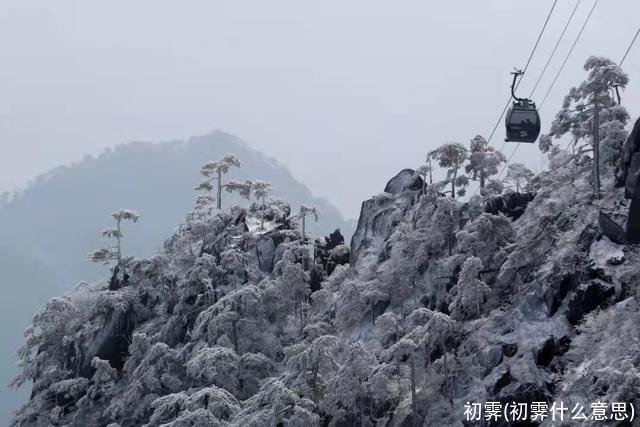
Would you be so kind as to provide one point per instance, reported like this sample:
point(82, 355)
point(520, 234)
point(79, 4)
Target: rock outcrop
point(511, 204)
point(379, 215)
point(629, 176)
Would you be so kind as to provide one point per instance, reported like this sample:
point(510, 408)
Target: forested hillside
point(527, 293)
point(47, 229)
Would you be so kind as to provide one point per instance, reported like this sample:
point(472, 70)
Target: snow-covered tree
point(518, 176)
point(242, 188)
point(424, 171)
point(260, 190)
point(304, 211)
point(493, 187)
point(450, 156)
point(577, 116)
point(471, 292)
point(111, 253)
point(212, 172)
point(483, 160)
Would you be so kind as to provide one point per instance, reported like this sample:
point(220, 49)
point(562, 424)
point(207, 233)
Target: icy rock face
point(266, 250)
point(629, 172)
point(379, 215)
point(628, 175)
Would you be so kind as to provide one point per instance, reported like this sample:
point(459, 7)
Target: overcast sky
point(345, 93)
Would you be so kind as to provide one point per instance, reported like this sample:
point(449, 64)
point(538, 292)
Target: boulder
point(510, 204)
point(611, 228)
point(587, 298)
point(266, 249)
point(119, 278)
point(405, 180)
point(339, 256)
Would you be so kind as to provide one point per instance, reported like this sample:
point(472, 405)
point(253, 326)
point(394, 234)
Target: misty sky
point(345, 93)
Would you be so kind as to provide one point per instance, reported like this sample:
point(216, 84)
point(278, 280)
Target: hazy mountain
point(47, 229)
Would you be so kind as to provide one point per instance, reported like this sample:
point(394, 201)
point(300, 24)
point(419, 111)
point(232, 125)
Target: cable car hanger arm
point(516, 73)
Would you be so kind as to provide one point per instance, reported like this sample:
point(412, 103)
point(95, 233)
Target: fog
point(343, 93)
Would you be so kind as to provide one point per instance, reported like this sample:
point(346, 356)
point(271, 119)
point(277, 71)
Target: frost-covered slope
point(47, 230)
point(441, 304)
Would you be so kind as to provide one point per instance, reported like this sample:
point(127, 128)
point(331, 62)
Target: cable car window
point(522, 117)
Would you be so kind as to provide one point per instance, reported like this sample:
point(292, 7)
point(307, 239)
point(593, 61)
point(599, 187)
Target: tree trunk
point(477, 300)
point(450, 235)
point(235, 337)
point(446, 368)
point(596, 147)
point(373, 320)
point(219, 198)
point(453, 184)
point(414, 404)
point(262, 216)
point(119, 237)
point(482, 183)
point(303, 228)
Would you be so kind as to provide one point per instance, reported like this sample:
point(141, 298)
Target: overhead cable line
point(575, 42)
point(629, 48)
point(555, 48)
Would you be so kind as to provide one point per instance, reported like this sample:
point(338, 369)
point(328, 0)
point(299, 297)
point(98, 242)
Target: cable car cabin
point(523, 122)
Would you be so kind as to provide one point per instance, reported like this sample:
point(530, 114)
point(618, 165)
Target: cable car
point(522, 121)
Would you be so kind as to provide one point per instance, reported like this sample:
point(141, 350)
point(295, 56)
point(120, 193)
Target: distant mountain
point(47, 229)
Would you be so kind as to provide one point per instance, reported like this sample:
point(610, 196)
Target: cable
point(629, 48)
point(555, 79)
point(546, 65)
point(533, 51)
point(509, 160)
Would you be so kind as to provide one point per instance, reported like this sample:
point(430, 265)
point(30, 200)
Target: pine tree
point(483, 161)
point(213, 171)
point(471, 292)
point(519, 176)
point(106, 254)
point(450, 156)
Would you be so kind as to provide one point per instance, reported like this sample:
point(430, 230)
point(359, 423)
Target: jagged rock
point(239, 215)
point(266, 249)
point(588, 297)
point(552, 348)
point(632, 231)
point(557, 289)
point(339, 256)
point(323, 247)
point(333, 239)
point(493, 358)
point(405, 180)
point(611, 228)
point(378, 217)
point(509, 349)
point(111, 343)
point(119, 278)
point(316, 276)
point(510, 204)
point(628, 173)
point(587, 237)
